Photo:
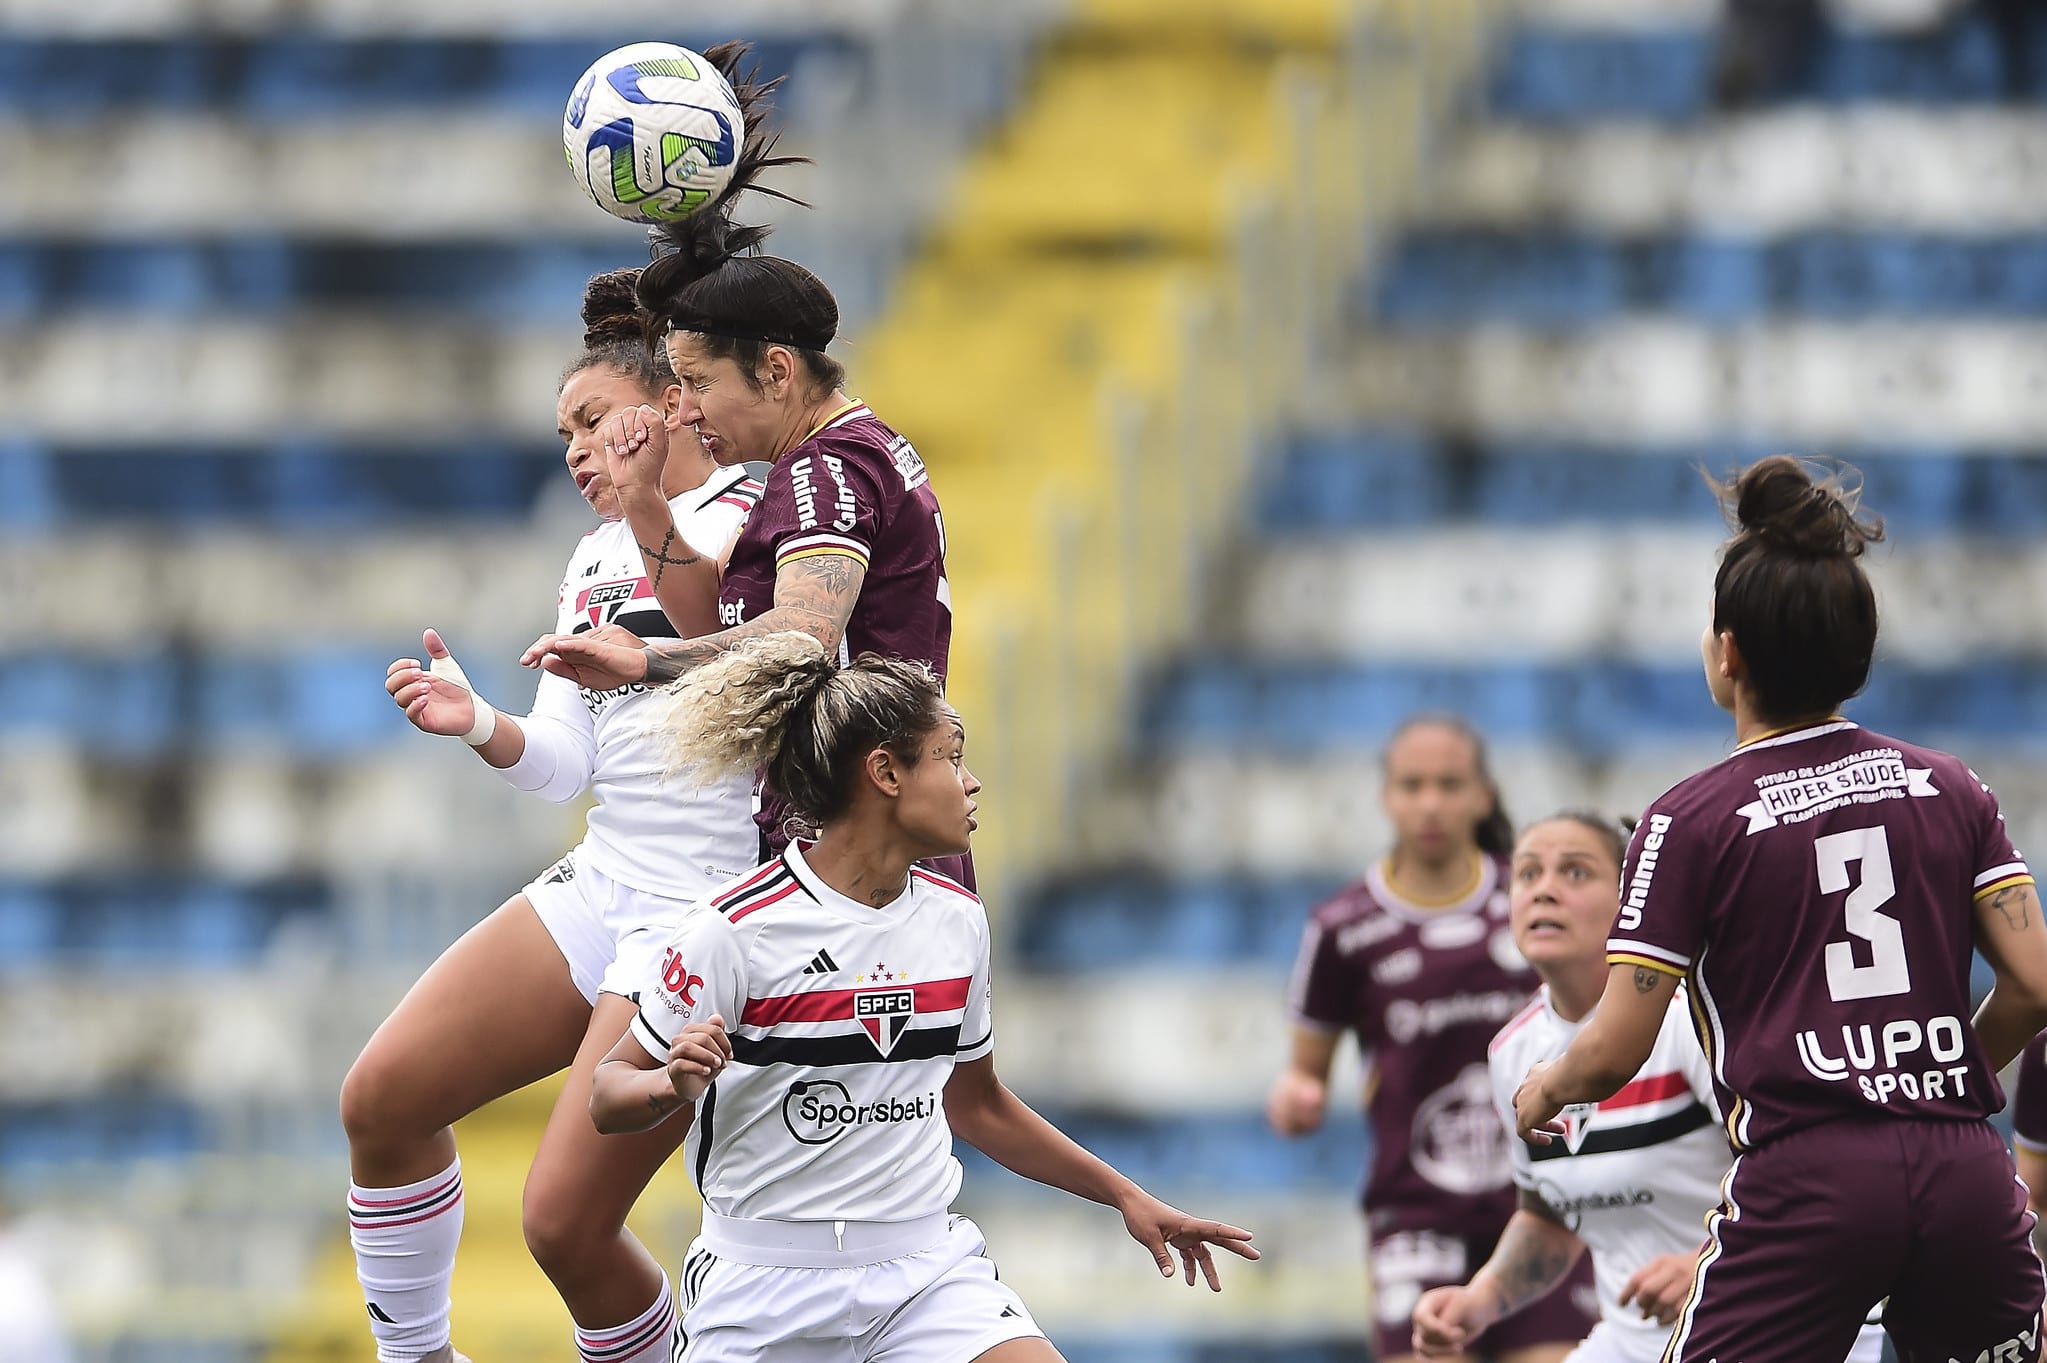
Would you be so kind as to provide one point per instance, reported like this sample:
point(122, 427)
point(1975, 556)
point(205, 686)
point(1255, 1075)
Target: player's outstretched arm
point(633, 1090)
point(1535, 1253)
point(1608, 1053)
point(984, 1113)
point(813, 596)
point(2012, 937)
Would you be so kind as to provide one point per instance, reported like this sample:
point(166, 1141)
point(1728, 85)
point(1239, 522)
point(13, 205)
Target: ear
point(884, 773)
point(670, 406)
point(779, 365)
point(1732, 666)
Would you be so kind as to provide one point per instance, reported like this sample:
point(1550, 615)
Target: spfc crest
point(1577, 1121)
point(885, 1013)
point(600, 604)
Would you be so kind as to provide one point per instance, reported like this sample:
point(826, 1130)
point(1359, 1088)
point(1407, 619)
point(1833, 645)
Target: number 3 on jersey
point(1887, 973)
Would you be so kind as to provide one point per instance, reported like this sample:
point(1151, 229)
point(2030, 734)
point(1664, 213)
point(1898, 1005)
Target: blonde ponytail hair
point(779, 702)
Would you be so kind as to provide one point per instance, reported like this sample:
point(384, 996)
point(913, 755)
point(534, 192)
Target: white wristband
point(486, 718)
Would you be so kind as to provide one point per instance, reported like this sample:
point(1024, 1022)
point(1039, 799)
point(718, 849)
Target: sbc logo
point(677, 980)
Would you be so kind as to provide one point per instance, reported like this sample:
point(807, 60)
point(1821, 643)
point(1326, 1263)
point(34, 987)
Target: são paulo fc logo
point(886, 1014)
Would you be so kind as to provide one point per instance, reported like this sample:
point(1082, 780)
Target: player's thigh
point(1022, 1351)
point(496, 1012)
point(583, 1183)
point(1972, 1285)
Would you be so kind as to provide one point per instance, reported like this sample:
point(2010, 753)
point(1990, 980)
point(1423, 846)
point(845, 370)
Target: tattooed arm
point(2011, 936)
point(1609, 1052)
point(1534, 1254)
point(813, 595)
point(685, 582)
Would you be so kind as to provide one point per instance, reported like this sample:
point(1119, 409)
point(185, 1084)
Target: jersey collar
point(824, 894)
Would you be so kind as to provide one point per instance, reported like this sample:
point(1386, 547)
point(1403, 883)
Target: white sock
point(647, 1338)
point(404, 1242)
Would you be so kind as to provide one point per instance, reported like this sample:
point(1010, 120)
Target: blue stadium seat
point(300, 75)
point(30, 925)
point(1086, 924)
point(286, 484)
point(94, 1130)
point(1445, 277)
point(1571, 75)
point(28, 495)
point(1379, 478)
point(1600, 707)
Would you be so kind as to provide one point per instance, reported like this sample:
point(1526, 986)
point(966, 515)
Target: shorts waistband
point(819, 1244)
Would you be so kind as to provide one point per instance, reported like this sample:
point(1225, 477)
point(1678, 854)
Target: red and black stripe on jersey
point(850, 1048)
point(770, 884)
point(1636, 1093)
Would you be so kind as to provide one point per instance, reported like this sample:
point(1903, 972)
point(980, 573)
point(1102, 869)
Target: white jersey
point(1633, 1176)
point(673, 837)
point(846, 1021)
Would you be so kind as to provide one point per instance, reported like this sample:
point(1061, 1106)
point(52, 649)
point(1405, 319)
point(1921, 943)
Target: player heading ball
point(804, 1016)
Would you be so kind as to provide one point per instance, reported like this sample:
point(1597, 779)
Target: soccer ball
point(652, 132)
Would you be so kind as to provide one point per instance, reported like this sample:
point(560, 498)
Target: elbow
point(608, 1120)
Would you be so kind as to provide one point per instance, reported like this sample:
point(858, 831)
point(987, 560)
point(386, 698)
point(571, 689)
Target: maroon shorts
point(1821, 1224)
point(1406, 1263)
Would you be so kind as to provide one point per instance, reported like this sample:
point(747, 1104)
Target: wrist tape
point(486, 718)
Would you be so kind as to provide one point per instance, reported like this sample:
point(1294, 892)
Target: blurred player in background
point(1419, 960)
point(1820, 891)
point(540, 983)
point(2029, 1132)
point(1636, 1174)
point(825, 1110)
point(847, 544)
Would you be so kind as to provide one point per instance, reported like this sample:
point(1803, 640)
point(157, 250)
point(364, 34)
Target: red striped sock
point(404, 1241)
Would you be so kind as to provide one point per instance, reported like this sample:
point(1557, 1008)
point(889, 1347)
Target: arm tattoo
point(662, 561)
point(813, 595)
point(2014, 905)
point(1646, 979)
point(663, 1103)
point(1531, 1259)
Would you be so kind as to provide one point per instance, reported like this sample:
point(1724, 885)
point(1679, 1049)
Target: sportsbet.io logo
point(818, 1111)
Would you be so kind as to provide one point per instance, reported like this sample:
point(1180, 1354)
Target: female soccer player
point(1636, 1173)
point(539, 984)
point(2029, 1131)
point(1418, 959)
point(827, 1019)
point(1820, 891)
point(847, 544)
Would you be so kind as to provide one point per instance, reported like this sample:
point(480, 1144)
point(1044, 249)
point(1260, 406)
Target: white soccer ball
point(652, 132)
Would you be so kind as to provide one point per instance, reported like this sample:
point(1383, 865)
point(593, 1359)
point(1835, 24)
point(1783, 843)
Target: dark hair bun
point(611, 311)
point(1778, 501)
point(690, 248)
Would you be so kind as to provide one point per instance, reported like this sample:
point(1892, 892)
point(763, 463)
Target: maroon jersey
point(2029, 1097)
point(856, 488)
point(1817, 889)
point(1424, 989)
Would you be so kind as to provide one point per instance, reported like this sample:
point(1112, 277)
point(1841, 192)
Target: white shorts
point(910, 1292)
point(606, 931)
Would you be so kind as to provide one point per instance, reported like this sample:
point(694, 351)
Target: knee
point(559, 1235)
point(372, 1102)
